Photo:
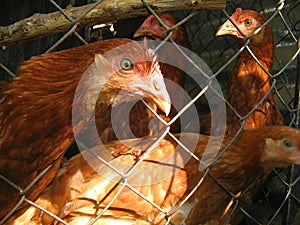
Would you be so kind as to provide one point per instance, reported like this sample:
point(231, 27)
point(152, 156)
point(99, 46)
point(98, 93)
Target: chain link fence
point(279, 201)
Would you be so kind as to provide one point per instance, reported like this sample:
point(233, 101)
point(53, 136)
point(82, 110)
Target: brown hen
point(153, 29)
point(87, 190)
point(36, 113)
point(248, 89)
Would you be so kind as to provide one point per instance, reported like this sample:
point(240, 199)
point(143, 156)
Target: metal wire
point(221, 59)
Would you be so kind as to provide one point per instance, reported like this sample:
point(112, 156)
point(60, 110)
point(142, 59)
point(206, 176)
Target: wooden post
point(40, 25)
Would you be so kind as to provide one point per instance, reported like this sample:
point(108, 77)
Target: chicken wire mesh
point(278, 203)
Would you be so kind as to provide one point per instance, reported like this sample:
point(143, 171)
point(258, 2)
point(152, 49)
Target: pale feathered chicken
point(36, 121)
point(86, 190)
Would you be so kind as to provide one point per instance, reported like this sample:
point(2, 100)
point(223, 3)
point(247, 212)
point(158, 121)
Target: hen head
point(282, 147)
point(154, 29)
point(126, 73)
point(248, 22)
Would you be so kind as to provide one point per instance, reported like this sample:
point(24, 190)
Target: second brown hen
point(152, 28)
point(248, 89)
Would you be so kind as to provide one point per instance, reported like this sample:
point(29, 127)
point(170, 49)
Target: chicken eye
point(126, 64)
point(248, 22)
point(287, 143)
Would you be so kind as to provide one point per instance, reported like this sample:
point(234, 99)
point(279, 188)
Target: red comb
point(236, 14)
